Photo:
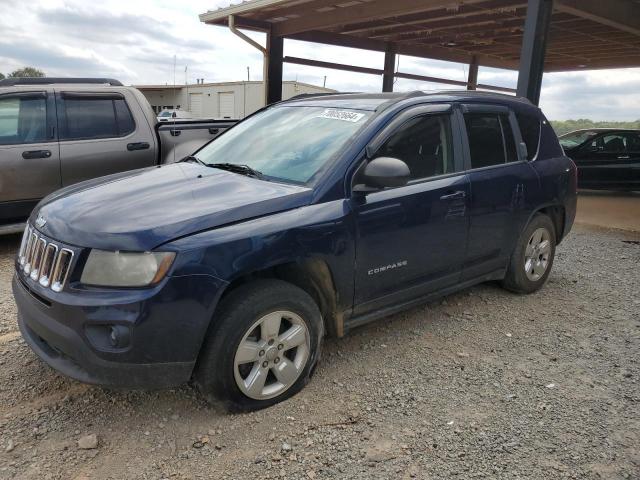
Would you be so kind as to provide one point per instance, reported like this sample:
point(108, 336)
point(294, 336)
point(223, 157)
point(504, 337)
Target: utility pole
point(324, 84)
point(186, 85)
point(248, 77)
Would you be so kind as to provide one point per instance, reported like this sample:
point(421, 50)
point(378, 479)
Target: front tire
point(532, 259)
point(263, 348)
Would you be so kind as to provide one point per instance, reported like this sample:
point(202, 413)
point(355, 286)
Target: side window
point(613, 144)
point(491, 139)
point(424, 144)
point(530, 131)
point(89, 118)
point(23, 120)
point(633, 142)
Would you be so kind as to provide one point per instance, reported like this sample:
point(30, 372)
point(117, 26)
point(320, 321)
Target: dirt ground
point(609, 209)
point(483, 384)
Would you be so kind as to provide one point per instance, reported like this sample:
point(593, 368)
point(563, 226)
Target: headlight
point(126, 269)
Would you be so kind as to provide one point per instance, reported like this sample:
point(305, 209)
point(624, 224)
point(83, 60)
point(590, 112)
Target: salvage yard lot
point(484, 384)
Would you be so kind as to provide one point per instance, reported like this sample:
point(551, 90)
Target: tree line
point(23, 72)
point(564, 126)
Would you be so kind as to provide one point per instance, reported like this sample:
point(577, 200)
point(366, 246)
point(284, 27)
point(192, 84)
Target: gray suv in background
point(56, 132)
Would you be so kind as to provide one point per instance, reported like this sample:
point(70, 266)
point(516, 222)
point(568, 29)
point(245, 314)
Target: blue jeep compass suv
point(310, 217)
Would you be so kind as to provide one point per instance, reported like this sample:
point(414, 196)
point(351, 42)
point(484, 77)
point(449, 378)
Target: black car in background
point(607, 158)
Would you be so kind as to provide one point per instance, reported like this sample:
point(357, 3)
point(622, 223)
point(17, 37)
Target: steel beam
point(389, 68)
point(377, 71)
point(620, 14)
point(534, 44)
point(275, 47)
point(472, 80)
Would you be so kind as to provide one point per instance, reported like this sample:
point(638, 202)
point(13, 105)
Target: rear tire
point(263, 347)
point(532, 259)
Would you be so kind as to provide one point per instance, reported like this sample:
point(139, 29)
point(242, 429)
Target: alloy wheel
point(272, 355)
point(537, 254)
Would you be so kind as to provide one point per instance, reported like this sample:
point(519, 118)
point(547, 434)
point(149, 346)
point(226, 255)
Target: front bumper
point(167, 325)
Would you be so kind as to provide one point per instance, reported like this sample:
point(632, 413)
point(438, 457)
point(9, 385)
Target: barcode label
point(344, 115)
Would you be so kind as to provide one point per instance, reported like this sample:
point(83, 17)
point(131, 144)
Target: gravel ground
point(484, 384)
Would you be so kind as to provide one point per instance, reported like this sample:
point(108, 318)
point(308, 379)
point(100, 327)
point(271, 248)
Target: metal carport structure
point(532, 36)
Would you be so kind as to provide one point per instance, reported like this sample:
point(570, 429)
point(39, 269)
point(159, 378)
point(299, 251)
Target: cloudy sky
point(135, 42)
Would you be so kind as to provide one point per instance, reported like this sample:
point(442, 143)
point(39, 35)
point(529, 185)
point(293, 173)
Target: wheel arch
point(557, 214)
point(313, 275)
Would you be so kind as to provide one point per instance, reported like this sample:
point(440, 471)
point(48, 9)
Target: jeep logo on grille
point(40, 221)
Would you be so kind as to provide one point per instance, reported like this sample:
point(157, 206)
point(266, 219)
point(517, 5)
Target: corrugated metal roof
point(583, 33)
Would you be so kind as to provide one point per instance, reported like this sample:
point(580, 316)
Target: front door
point(29, 155)
point(411, 240)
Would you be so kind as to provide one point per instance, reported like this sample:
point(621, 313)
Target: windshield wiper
point(235, 168)
point(192, 158)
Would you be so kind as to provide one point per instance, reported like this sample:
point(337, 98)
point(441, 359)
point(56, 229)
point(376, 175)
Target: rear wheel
point(533, 256)
point(264, 347)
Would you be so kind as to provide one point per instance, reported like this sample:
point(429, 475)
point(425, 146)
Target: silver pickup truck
point(58, 131)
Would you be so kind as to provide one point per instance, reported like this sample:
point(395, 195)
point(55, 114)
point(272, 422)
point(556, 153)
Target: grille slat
point(44, 262)
point(38, 253)
point(33, 240)
point(61, 270)
point(50, 254)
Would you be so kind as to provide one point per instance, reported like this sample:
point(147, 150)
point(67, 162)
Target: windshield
point(166, 113)
point(286, 143)
point(574, 139)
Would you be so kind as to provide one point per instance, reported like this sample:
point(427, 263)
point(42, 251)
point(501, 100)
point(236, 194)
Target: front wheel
point(533, 256)
point(263, 348)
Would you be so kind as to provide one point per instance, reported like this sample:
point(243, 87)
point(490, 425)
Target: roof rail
point(302, 96)
point(11, 82)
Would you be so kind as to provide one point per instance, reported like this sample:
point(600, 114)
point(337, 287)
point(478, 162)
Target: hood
point(142, 209)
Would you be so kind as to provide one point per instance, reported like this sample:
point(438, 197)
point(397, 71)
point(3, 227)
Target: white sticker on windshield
point(344, 115)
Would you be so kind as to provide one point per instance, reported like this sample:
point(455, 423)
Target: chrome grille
point(43, 261)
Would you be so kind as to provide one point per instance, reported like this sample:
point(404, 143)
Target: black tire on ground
point(516, 278)
point(215, 372)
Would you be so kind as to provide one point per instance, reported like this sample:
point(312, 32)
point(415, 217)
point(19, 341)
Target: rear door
point(633, 151)
point(101, 134)
point(502, 186)
point(29, 155)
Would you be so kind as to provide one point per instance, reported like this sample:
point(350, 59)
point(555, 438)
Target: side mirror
point(383, 172)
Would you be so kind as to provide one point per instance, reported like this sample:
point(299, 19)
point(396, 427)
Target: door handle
point(624, 157)
point(213, 131)
point(460, 194)
point(137, 146)
point(29, 154)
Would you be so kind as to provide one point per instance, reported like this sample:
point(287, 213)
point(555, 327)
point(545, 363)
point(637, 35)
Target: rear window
point(89, 118)
point(530, 131)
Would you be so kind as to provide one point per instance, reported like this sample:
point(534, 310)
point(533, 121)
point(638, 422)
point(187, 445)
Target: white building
point(219, 100)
